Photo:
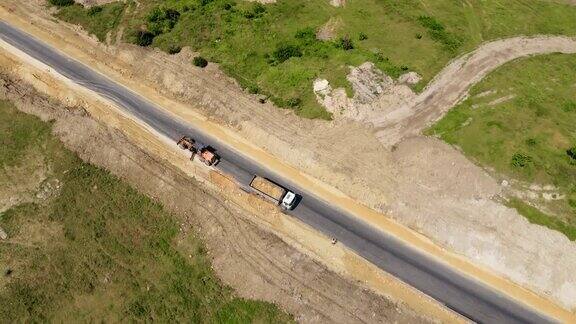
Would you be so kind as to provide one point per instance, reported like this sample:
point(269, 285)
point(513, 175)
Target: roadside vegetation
point(272, 49)
point(97, 20)
point(90, 248)
point(520, 121)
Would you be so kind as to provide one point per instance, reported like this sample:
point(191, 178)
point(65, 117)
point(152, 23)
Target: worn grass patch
point(397, 35)
point(100, 251)
point(520, 121)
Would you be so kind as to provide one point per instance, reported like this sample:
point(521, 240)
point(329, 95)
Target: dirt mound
point(374, 94)
point(329, 30)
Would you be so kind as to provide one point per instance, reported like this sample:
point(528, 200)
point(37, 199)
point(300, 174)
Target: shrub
point(520, 160)
point(572, 152)
point(418, 36)
point(205, 2)
point(253, 89)
point(569, 106)
point(362, 36)
point(94, 10)
point(345, 43)
point(61, 3)
point(162, 20)
point(142, 38)
point(256, 11)
point(199, 61)
point(531, 142)
point(174, 49)
point(379, 57)
point(285, 51)
point(293, 102)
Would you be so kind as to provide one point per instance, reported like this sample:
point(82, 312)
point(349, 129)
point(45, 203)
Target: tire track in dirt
point(451, 85)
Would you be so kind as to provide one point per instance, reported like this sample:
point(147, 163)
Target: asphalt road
point(463, 294)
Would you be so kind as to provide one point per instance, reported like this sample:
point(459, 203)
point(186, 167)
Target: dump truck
point(205, 153)
point(274, 192)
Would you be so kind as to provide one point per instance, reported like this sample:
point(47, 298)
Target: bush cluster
point(345, 43)
point(439, 33)
point(61, 3)
point(285, 51)
point(572, 152)
point(520, 160)
point(142, 37)
point(256, 11)
point(199, 61)
point(94, 10)
point(162, 20)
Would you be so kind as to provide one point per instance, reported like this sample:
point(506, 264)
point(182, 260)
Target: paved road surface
point(458, 292)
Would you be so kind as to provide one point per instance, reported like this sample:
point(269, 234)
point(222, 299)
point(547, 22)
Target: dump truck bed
point(268, 188)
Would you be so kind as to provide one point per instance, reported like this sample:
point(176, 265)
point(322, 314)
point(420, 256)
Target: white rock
point(409, 78)
point(322, 86)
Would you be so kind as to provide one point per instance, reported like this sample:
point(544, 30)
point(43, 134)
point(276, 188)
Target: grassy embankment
point(530, 137)
point(271, 48)
point(98, 20)
point(97, 250)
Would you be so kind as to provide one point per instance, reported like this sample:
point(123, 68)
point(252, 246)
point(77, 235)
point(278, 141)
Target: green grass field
point(528, 137)
point(98, 251)
point(397, 35)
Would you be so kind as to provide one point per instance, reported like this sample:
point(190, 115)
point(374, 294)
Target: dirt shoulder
point(375, 176)
point(255, 262)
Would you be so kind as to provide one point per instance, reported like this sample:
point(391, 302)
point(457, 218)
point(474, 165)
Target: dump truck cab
point(206, 154)
point(289, 200)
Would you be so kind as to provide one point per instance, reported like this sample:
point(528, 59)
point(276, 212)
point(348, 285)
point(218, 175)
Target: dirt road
point(451, 85)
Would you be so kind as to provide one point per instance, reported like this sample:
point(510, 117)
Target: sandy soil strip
point(322, 190)
point(451, 85)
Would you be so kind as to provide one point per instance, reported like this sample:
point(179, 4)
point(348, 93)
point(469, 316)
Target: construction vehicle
point(274, 192)
point(205, 153)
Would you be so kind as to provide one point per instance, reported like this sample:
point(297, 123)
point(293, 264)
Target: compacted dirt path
point(451, 85)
